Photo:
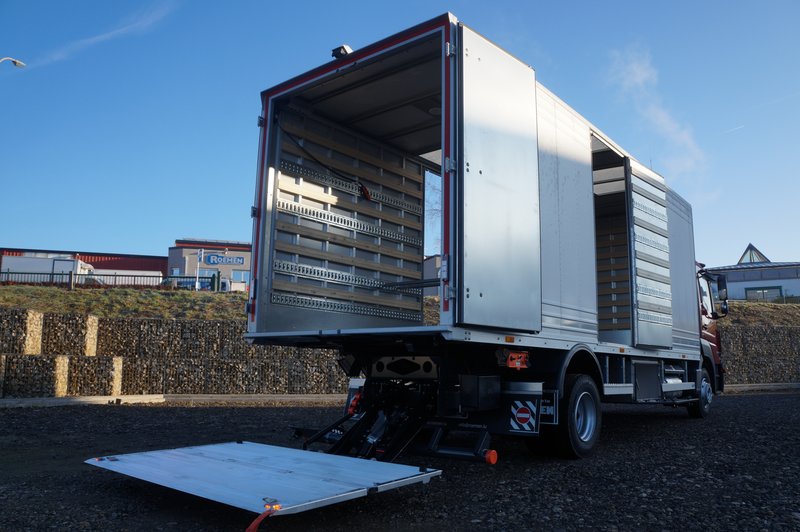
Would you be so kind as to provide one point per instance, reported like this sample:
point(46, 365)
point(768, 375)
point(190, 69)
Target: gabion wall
point(84, 355)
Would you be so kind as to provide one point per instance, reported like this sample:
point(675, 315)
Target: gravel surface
point(654, 469)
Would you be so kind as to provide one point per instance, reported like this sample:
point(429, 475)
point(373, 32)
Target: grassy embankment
point(125, 302)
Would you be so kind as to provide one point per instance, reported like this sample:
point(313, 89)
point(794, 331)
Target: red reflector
point(353, 407)
point(517, 359)
point(490, 456)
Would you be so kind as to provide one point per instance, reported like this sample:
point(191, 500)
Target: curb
point(188, 399)
point(295, 399)
point(334, 399)
point(771, 387)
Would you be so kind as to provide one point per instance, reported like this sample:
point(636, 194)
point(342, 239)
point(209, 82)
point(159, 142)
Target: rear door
point(652, 294)
point(498, 188)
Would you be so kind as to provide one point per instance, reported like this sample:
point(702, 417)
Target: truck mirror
point(722, 288)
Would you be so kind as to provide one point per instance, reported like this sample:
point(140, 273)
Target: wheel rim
point(706, 393)
point(585, 416)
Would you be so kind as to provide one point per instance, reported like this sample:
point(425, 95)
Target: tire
point(702, 407)
point(580, 417)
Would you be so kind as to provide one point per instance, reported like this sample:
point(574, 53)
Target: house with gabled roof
point(756, 278)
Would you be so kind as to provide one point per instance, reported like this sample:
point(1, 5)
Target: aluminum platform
point(255, 477)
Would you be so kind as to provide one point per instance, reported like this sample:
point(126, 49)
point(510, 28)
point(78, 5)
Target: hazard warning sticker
point(524, 416)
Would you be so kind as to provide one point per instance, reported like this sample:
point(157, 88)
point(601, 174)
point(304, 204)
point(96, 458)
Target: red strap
point(255, 524)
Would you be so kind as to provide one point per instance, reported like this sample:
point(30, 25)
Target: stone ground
point(654, 469)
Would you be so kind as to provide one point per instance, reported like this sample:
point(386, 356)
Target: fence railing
point(90, 280)
point(774, 299)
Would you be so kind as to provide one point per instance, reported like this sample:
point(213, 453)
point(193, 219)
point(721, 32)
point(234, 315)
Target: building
point(430, 270)
point(228, 261)
point(755, 278)
point(100, 261)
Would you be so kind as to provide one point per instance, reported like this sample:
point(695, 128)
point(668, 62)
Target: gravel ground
point(654, 469)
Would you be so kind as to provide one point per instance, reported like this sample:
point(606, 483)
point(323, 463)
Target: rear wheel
point(580, 417)
point(702, 407)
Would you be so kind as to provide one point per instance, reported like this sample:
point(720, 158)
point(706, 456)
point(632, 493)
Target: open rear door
point(652, 294)
point(498, 259)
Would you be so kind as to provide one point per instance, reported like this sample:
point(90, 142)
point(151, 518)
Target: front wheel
point(702, 407)
point(580, 417)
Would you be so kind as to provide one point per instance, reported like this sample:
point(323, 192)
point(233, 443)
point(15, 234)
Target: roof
point(15, 251)
point(196, 243)
point(755, 266)
point(753, 259)
point(752, 255)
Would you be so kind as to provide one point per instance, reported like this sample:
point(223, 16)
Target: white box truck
point(32, 270)
point(567, 278)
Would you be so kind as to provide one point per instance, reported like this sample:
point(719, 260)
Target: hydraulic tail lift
point(382, 420)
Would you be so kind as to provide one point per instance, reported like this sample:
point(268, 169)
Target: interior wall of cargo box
point(351, 157)
point(612, 239)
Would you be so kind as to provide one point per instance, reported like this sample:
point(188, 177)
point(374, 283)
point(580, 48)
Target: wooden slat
point(345, 241)
point(615, 326)
point(344, 295)
point(298, 131)
point(290, 147)
point(612, 267)
point(618, 290)
point(612, 315)
point(618, 252)
point(287, 184)
point(610, 278)
point(350, 261)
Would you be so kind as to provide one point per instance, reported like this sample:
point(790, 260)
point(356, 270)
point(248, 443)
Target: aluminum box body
point(547, 229)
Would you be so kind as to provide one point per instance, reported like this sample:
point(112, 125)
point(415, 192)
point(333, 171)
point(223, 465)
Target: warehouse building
point(227, 261)
point(98, 260)
point(756, 278)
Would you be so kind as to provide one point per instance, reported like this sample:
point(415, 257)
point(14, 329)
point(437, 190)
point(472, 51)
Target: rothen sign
point(222, 259)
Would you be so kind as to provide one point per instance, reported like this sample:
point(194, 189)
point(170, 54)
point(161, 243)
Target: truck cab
point(711, 309)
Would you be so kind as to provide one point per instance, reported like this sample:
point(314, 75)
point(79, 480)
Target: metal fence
point(90, 280)
point(774, 299)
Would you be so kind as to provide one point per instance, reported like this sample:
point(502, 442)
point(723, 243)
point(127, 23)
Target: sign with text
point(219, 260)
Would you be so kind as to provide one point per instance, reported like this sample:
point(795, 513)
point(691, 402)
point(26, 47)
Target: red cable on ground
point(255, 524)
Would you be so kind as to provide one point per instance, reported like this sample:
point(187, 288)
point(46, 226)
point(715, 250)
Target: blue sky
point(135, 122)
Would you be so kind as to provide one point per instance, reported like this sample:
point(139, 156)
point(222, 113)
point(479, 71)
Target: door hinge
point(260, 121)
point(449, 49)
point(449, 292)
point(449, 164)
point(253, 212)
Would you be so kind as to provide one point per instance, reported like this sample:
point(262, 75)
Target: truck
point(566, 270)
point(33, 269)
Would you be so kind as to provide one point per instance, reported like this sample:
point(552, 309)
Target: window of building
point(766, 293)
point(240, 276)
point(208, 272)
point(176, 271)
point(778, 273)
point(734, 276)
point(752, 275)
